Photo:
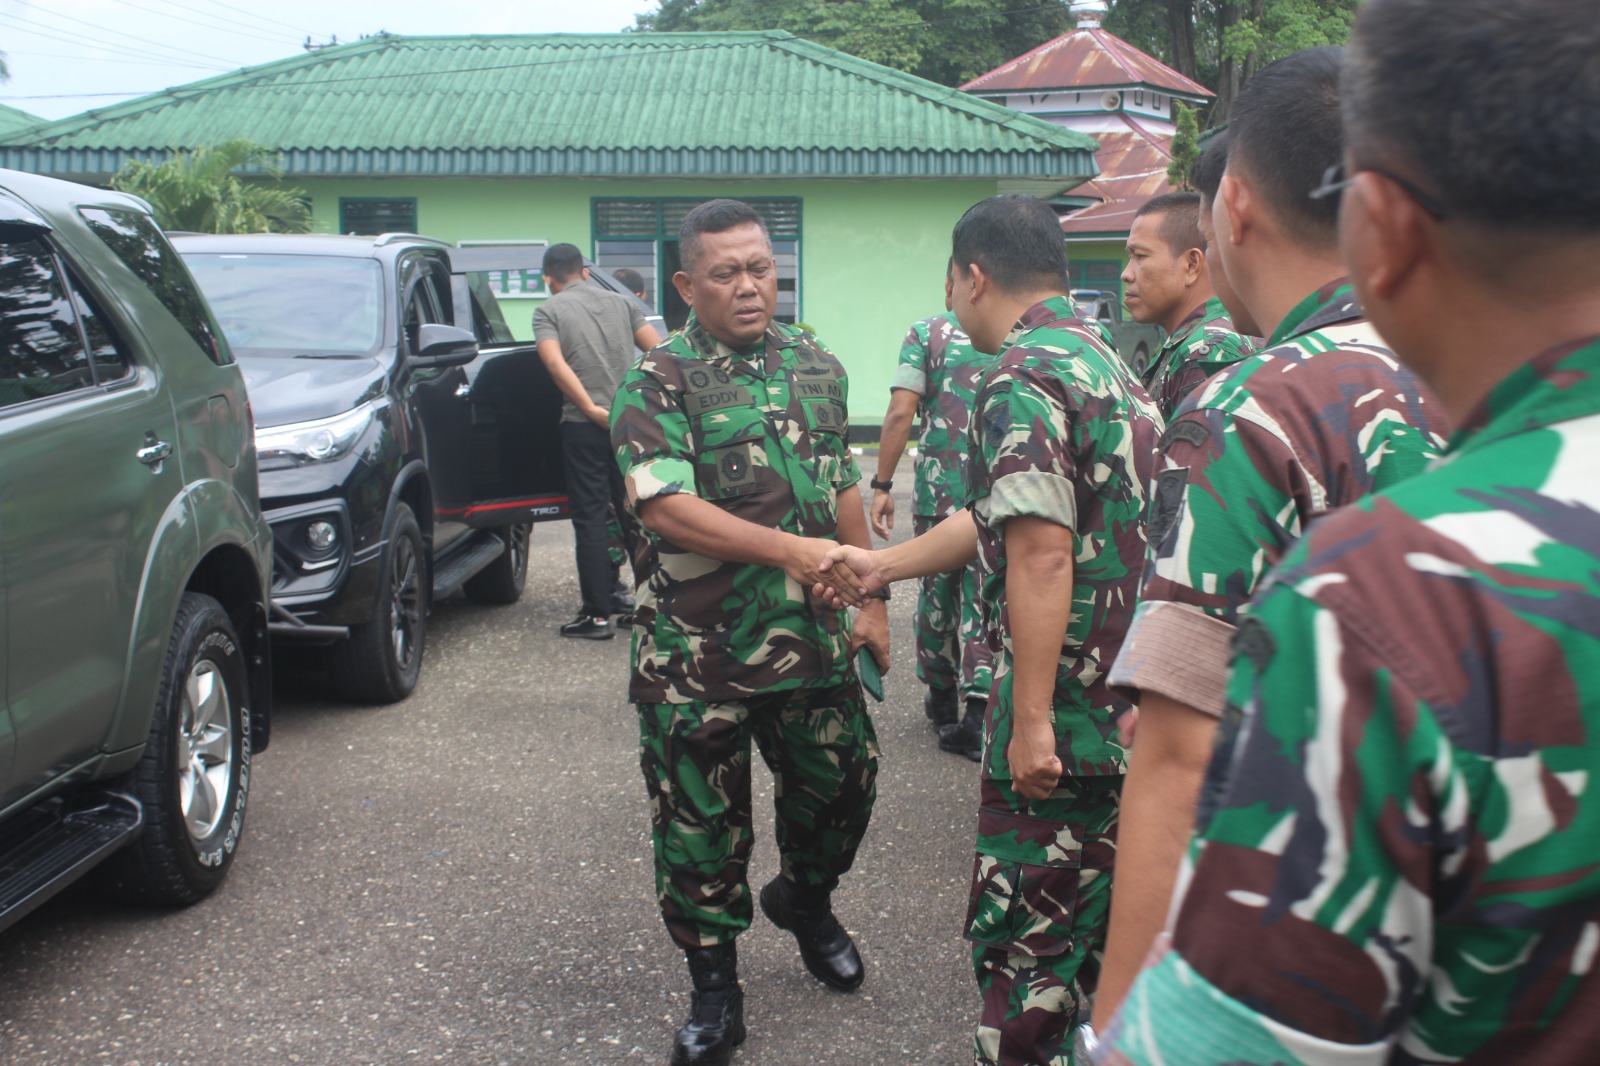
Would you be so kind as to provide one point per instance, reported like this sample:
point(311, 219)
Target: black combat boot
point(940, 706)
point(716, 1009)
point(622, 597)
point(826, 949)
point(966, 736)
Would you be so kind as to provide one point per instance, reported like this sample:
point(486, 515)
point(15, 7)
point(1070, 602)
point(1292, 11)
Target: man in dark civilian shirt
point(587, 338)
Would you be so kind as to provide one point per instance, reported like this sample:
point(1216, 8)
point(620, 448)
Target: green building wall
point(1105, 257)
point(872, 254)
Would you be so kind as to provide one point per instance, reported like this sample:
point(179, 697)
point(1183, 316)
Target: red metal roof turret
point(1086, 58)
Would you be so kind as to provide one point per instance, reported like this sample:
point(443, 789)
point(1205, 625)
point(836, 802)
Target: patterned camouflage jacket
point(1064, 432)
point(1400, 819)
point(764, 435)
point(1203, 344)
point(940, 365)
point(1319, 419)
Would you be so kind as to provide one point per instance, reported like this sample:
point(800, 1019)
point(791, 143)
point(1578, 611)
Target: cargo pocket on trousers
point(1024, 885)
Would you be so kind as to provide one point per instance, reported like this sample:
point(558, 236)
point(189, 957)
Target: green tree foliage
point(198, 190)
point(1185, 148)
point(947, 41)
point(1221, 43)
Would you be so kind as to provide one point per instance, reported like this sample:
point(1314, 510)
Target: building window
point(368, 217)
point(642, 234)
point(1103, 274)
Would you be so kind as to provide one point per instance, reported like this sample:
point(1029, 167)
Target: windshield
point(294, 304)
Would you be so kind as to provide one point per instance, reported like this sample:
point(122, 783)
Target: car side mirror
point(439, 345)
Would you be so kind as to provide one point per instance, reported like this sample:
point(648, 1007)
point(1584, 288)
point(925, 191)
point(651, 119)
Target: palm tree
point(198, 190)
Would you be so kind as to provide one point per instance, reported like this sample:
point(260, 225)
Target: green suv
point(134, 561)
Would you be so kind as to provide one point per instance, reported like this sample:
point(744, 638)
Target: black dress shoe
point(941, 706)
point(622, 599)
point(827, 950)
point(588, 628)
point(716, 1010)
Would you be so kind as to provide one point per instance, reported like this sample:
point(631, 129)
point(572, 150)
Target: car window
point(42, 353)
point(107, 355)
point(137, 241)
point(293, 305)
point(488, 320)
point(423, 304)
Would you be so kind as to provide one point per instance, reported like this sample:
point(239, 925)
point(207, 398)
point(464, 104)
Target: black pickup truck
point(407, 442)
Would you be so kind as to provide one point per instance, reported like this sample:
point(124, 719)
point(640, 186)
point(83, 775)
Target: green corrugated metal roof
point(636, 104)
point(13, 120)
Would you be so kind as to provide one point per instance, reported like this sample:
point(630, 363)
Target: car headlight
point(314, 442)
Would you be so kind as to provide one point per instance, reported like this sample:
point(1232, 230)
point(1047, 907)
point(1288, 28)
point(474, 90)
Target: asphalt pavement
point(465, 877)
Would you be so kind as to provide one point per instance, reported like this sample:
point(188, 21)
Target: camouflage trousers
point(823, 753)
point(1037, 917)
point(951, 649)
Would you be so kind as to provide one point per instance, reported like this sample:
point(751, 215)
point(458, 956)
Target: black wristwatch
point(881, 594)
point(886, 486)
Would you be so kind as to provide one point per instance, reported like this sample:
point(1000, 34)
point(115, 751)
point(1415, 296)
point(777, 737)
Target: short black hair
point(631, 279)
point(1179, 214)
point(1284, 131)
point(1492, 109)
point(1017, 241)
point(713, 216)
point(562, 261)
point(1206, 174)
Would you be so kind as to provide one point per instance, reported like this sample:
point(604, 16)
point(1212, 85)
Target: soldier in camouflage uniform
point(1323, 416)
point(937, 383)
point(1063, 443)
point(733, 437)
point(1400, 817)
point(1168, 283)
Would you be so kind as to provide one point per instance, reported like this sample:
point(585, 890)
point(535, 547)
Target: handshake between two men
point(848, 576)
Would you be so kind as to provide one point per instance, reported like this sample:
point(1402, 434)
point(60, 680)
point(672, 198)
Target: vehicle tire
point(382, 659)
point(1141, 360)
point(502, 580)
point(194, 777)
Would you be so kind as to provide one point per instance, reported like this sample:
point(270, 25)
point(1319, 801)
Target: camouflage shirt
point(1203, 344)
point(764, 435)
point(940, 365)
point(1323, 416)
point(1401, 816)
point(1063, 432)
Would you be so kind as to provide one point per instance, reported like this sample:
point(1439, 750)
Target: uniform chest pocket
point(825, 417)
point(825, 438)
point(730, 450)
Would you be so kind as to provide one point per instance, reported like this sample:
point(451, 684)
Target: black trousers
point(594, 486)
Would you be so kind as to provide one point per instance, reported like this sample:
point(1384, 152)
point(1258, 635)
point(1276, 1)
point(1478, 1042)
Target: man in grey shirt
point(586, 337)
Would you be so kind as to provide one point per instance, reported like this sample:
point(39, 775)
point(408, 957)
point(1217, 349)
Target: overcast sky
point(68, 56)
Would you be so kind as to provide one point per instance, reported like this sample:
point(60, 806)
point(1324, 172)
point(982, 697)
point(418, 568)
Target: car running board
point(485, 549)
point(56, 844)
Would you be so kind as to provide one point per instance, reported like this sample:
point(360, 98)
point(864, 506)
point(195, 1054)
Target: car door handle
point(463, 391)
point(154, 451)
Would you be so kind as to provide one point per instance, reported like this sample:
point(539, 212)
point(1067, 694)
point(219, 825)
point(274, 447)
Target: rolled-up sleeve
point(910, 378)
point(1027, 449)
point(653, 441)
point(1178, 651)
